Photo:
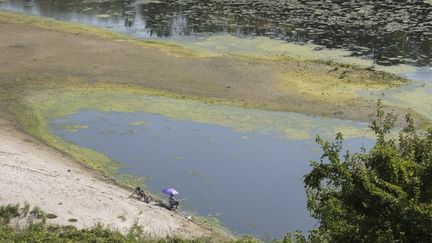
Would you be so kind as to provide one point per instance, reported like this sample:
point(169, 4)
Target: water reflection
point(389, 32)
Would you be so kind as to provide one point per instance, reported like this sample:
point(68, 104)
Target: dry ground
point(34, 173)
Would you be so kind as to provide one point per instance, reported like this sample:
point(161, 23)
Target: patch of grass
point(210, 223)
point(25, 210)
point(135, 232)
point(42, 232)
point(73, 128)
point(38, 213)
point(9, 212)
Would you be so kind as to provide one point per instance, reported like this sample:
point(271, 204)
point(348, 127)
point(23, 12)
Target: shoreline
point(33, 173)
point(46, 69)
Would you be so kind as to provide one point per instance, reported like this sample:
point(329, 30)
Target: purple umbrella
point(170, 191)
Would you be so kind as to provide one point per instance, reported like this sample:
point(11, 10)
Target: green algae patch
point(335, 84)
point(294, 81)
point(103, 16)
point(263, 47)
point(35, 121)
point(147, 1)
point(139, 123)
point(42, 102)
point(73, 128)
point(415, 97)
point(292, 125)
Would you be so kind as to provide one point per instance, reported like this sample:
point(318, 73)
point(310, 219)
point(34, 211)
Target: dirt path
point(33, 173)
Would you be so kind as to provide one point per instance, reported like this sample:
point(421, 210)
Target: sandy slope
point(34, 173)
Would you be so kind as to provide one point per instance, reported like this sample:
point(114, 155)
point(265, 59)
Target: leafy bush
point(384, 195)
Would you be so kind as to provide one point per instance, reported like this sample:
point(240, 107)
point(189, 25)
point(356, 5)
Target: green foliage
point(25, 210)
point(8, 212)
point(384, 195)
point(247, 239)
point(41, 232)
point(297, 237)
point(135, 232)
point(38, 214)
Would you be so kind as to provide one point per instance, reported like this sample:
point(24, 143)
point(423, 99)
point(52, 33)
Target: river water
point(252, 181)
point(388, 32)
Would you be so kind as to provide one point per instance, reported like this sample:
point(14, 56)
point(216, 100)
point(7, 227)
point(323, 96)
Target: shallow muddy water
point(416, 95)
point(388, 32)
point(250, 180)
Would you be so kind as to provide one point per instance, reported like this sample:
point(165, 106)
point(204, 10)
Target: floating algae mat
point(290, 125)
point(243, 167)
point(383, 31)
point(417, 95)
point(263, 47)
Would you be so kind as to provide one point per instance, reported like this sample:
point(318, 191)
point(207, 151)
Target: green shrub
point(384, 195)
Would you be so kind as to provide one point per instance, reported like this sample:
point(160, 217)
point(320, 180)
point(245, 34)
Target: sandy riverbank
point(34, 173)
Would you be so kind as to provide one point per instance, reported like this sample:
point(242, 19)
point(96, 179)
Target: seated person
point(173, 202)
point(138, 192)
